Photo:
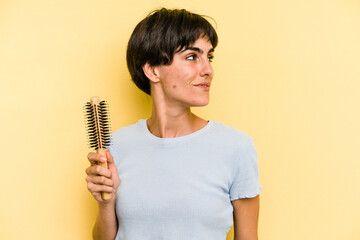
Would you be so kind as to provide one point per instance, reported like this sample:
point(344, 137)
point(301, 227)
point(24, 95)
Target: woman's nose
point(206, 68)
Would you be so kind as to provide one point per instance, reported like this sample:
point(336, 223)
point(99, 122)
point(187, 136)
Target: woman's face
point(187, 80)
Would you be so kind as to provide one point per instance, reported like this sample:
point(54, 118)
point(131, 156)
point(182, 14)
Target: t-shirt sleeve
point(246, 182)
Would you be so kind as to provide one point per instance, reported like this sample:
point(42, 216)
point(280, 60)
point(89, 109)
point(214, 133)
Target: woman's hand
point(100, 179)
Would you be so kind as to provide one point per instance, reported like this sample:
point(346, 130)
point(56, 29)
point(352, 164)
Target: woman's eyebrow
point(197, 50)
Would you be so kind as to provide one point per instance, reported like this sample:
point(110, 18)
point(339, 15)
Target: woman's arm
point(100, 179)
point(106, 224)
point(246, 214)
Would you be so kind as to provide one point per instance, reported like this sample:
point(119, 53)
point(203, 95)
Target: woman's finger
point(94, 158)
point(98, 170)
point(100, 180)
point(95, 188)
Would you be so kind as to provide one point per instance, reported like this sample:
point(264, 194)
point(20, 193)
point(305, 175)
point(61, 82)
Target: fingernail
point(103, 159)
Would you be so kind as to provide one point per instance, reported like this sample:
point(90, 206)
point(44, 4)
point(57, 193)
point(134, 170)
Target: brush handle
point(102, 152)
point(95, 100)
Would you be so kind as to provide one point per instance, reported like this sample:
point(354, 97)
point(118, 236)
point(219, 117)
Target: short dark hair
point(159, 36)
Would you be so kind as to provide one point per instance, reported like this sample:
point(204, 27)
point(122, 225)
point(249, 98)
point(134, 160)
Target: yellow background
point(286, 72)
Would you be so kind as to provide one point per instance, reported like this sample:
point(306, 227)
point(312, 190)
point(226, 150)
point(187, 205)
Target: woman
point(182, 177)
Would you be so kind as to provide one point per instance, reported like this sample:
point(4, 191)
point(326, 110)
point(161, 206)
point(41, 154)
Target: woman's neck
point(170, 121)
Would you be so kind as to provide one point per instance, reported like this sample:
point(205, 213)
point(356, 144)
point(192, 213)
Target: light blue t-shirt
point(181, 188)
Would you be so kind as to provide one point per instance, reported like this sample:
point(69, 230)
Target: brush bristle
point(105, 124)
point(97, 123)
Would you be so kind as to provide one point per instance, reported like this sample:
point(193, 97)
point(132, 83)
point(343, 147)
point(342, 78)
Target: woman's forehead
point(201, 45)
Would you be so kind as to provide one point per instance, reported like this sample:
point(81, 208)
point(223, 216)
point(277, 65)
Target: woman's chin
point(201, 103)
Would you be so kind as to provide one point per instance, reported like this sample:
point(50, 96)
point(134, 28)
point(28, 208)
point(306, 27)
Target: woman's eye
point(211, 58)
point(191, 57)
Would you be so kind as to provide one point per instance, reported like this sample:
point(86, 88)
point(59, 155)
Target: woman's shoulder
point(128, 131)
point(230, 135)
point(229, 131)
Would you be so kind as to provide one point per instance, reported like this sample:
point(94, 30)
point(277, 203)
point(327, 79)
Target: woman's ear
point(151, 72)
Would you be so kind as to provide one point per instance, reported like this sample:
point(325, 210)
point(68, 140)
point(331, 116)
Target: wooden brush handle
point(102, 152)
point(95, 100)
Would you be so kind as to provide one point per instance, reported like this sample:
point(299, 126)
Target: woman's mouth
point(203, 85)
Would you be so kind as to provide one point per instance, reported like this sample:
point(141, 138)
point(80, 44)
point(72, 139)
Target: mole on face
point(174, 86)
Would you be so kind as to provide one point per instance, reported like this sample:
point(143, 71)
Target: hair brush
point(98, 128)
